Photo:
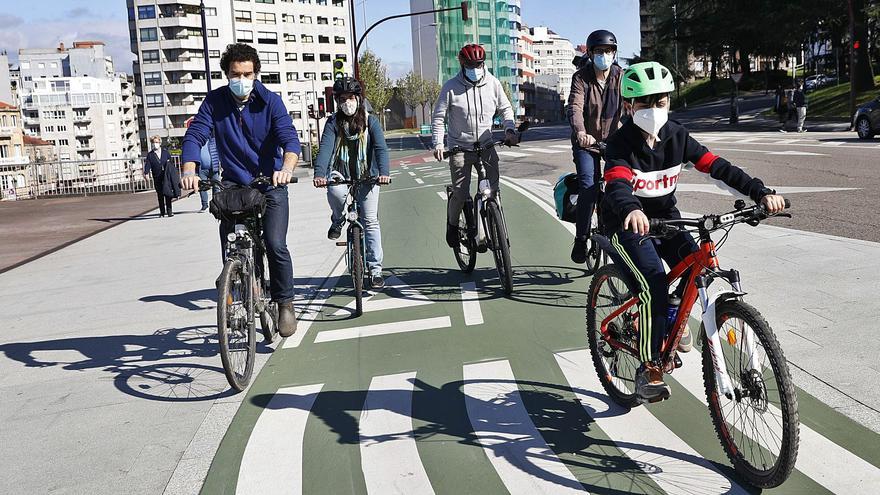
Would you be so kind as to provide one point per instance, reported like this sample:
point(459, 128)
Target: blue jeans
point(368, 206)
point(588, 173)
point(205, 175)
point(275, 221)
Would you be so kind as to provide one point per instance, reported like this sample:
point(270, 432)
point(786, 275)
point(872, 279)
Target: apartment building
point(297, 41)
point(73, 99)
point(13, 158)
point(553, 56)
point(6, 83)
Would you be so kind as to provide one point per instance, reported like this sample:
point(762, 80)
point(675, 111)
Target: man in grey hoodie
point(468, 104)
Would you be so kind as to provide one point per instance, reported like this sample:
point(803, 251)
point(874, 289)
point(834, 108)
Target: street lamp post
point(419, 35)
point(205, 45)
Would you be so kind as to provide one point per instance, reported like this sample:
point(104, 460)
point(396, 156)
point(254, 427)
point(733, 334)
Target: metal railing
point(75, 178)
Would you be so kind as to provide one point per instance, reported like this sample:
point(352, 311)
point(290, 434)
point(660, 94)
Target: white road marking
point(544, 150)
point(827, 463)
point(419, 181)
point(403, 296)
point(713, 188)
point(383, 329)
point(429, 159)
point(389, 457)
point(664, 456)
point(512, 154)
point(425, 167)
point(796, 153)
point(832, 143)
point(470, 302)
point(273, 457)
point(442, 195)
point(524, 462)
point(312, 311)
point(561, 146)
point(413, 174)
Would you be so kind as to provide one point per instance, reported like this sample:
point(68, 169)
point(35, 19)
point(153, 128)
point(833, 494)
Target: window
point(151, 56)
point(323, 39)
point(308, 75)
point(214, 75)
point(244, 36)
point(290, 57)
point(110, 112)
point(152, 78)
point(270, 77)
point(63, 142)
point(213, 33)
point(264, 1)
point(214, 53)
point(265, 18)
point(341, 56)
point(338, 21)
point(326, 76)
point(320, 2)
point(267, 37)
point(289, 37)
point(243, 16)
point(296, 115)
point(325, 57)
point(337, 3)
point(485, 23)
point(292, 76)
point(307, 38)
point(288, 18)
point(156, 122)
point(210, 11)
point(304, 19)
point(148, 34)
point(269, 57)
point(339, 40)
point(147, 12)
point(154, 101)
point(308, 57)
point(322, 20)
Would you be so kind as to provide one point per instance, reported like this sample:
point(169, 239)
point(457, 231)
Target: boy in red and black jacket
point(643, 161)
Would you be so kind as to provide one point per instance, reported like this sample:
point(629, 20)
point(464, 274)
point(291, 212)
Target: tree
point(864, 73)
point(431, 93)
point(411, 87)
point(377, 85)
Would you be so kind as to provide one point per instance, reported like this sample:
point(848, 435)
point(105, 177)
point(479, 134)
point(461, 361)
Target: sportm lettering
point(655, 184)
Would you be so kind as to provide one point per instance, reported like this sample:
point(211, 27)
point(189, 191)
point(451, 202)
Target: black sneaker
point(579, 250)
point(650, 386)
point(377, 281)
point(334, 232)
point(452, 239)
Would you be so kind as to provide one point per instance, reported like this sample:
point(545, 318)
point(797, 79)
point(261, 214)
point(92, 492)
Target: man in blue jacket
point(252, 128)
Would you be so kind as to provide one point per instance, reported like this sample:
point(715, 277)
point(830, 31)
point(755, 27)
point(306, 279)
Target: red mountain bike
point(751, 397)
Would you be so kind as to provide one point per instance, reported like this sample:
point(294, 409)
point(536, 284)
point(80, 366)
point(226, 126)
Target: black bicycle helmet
point(347, 85)
point(601, 37)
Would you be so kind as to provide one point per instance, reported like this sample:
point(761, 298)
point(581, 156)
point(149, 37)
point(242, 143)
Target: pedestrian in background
point(799, 100)
point(209, 169)
point(166, 178)
point(779, 104)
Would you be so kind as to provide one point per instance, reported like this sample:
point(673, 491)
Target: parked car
point(867, 119)
point(815, 82)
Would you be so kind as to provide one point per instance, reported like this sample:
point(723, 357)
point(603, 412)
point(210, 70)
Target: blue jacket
point(377, 150)
point(250, 142)
point(210, 158)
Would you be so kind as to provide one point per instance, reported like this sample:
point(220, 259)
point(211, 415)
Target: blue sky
point(46, 22)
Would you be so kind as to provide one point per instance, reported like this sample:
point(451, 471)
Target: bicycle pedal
point(341, 243)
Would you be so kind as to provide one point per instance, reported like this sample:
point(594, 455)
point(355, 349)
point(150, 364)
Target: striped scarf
point(343, 162)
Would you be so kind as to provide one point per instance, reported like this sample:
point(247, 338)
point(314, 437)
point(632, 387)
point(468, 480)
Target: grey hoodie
point(469, 110)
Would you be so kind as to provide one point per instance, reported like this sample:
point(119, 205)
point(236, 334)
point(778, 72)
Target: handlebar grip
point(787, 204)
point(294, 180)
point(656, 225)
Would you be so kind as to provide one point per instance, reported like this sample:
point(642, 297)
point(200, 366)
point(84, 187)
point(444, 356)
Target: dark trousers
point(164, 204)
point(275, 220)
point(588, 173)
point(645, 261)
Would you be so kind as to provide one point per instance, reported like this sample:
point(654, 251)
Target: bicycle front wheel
point(235, 324)
point(500, 247)
point(758, 426)
point(466, 251)
point(356, 254)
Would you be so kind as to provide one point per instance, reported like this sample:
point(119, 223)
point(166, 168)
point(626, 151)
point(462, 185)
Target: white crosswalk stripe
point(524, 462)
point(389, 457)
point(544, 150)
point(667, 459)
point(512, 154)
point(383, 329)
point(400, 295)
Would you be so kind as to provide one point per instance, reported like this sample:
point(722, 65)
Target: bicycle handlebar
point(206, 185)
point(752, 215)
point(478, 147)
point(365, 180)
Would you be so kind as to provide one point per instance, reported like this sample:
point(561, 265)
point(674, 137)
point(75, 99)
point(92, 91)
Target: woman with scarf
point(166, 178)
point(353, 144)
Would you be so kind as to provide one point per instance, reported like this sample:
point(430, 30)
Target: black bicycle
point(243, 286)
point(354, 237)
point(595, 256)
point(490, 232)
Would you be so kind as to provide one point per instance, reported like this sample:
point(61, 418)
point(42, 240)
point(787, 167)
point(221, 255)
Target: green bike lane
point(446, 386)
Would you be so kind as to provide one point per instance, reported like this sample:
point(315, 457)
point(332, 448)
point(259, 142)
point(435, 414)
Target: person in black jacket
point(643, 162)
point(166, 178)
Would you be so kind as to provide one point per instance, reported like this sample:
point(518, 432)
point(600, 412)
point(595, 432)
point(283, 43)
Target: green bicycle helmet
point(646, 78)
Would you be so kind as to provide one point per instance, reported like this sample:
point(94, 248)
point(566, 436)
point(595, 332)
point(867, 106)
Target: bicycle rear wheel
point(269, 321)
point(466, 252)
point(500, 247)
point(355, 238)
point(758, 426)
point(235, 324)
point(616, 368)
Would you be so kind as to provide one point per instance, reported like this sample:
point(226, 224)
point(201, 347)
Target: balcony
point(83, 131)
point(31, 120)
point(183, 42)
point(181, 19)
point(184, 109)
point(14, 160)
point(8, 131)
point(191, 87)
point(184, 63)
point(82, 118)
point(85, 147)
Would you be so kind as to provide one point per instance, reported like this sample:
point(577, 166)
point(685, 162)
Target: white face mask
point(651, 120)
point(349, 107)
point(157, 146)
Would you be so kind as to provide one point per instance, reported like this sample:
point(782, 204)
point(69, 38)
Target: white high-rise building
point(297, 41)
point(72, 98)
point(554, 55)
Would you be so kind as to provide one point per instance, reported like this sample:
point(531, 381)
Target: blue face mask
point(603, 62)
point(473, 75)
point(241, 86)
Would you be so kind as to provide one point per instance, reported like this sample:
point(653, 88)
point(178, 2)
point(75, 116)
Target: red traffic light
point(856, 45)
point(464, 11)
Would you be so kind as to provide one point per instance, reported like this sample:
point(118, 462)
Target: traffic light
point(328, 95)
point(338, 68)
point(311, 111)
point(320, 108)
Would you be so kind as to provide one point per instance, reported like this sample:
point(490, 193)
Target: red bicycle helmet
point(472, 54)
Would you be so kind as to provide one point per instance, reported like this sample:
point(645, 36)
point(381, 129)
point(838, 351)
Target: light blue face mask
point(603, 62)
point(241, 86)
point(473, 75)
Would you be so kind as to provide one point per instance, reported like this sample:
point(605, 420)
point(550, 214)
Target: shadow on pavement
point(563, 424)
point(156, 366)
point(186, 300)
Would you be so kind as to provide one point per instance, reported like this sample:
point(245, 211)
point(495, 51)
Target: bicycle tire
point(500, 247)
point(618, 381)
point(594, 255)
point(229, 322)
point(357, 267)
point(787, 409)
point(466, 252)
point(269, 321)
